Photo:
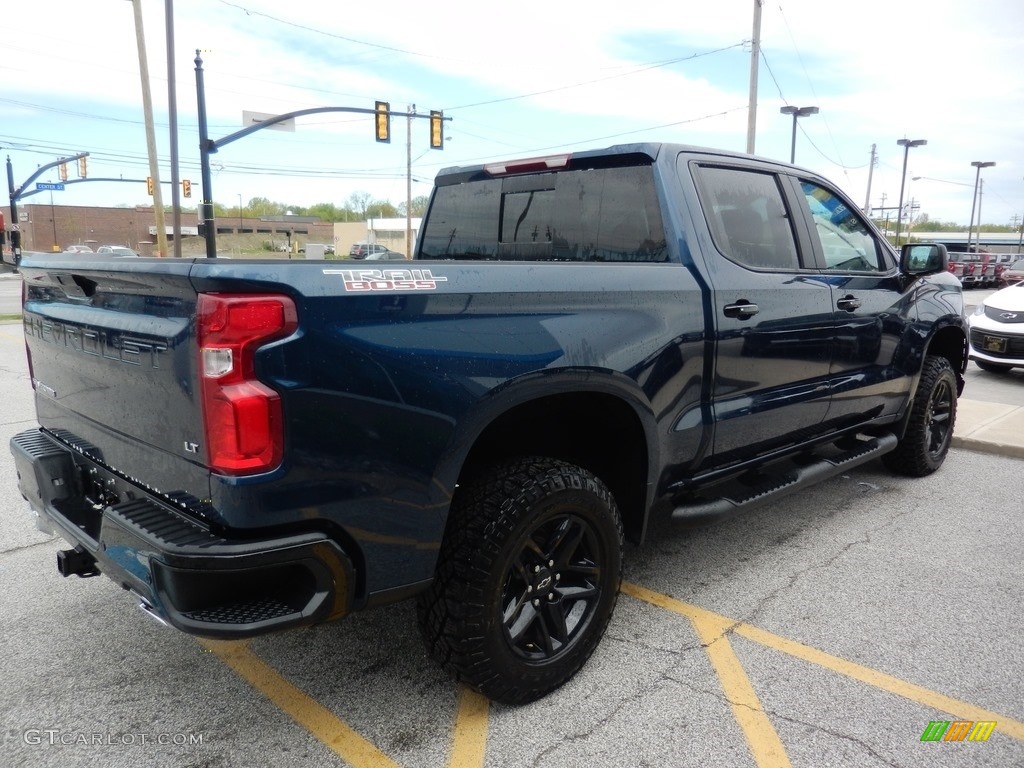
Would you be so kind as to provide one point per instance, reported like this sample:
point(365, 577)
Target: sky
point(517, 80)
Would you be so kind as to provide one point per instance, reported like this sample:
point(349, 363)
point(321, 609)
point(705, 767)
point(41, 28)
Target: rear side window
point(598, 214)
point(748, 219)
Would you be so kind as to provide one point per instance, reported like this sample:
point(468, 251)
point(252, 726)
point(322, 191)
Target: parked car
point(385, 255)
point(1003, 262)
point(979, 270)
point(78, 249)
point(362, 250)
point(117, 250)
point(997, 329)
point(1013, 274)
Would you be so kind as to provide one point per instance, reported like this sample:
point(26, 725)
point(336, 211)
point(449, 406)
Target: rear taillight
point(241, 415)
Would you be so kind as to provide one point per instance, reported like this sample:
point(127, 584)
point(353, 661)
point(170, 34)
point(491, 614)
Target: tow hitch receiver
point(78, 562)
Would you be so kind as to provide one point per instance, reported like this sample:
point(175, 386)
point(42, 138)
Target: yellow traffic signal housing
point(63, 170)
point(436, 129)
point(382, 121)
point(149, 184)
point(186, 187)
point(81, 167)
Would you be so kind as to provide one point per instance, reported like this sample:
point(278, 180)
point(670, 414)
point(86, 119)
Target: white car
point(117, 250)
point(997, 330)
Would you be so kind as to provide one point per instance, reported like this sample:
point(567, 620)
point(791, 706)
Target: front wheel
point(526, 580)
point(930, 427)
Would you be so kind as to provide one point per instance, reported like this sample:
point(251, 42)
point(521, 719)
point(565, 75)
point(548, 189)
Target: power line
point(643, 68)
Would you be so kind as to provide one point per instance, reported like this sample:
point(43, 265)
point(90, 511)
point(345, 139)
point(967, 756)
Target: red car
point(1013, 273)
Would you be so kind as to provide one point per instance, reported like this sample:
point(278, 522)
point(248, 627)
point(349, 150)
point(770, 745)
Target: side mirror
point(923, 258)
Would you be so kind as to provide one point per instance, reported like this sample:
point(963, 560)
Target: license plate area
point(993, 344)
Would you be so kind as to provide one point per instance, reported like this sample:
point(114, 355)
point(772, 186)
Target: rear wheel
point(930, 429)
point(527, 578)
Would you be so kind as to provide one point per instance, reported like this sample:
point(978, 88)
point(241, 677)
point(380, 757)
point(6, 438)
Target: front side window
point(748, 218)
point(597, 214)
point(846, 242)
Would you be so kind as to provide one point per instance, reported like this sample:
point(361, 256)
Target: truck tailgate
point(113, 361)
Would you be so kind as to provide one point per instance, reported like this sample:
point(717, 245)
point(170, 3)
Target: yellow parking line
point(469, 742)
point(959, 709)
point(916, 693)
point(315, 718)
point(712, 629)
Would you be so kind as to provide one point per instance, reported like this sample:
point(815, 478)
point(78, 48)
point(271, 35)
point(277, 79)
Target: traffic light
point(149, 184)
point(186, 188)
point(382, 121)
point(436, 129)
point(63, 171)
point(81, 167)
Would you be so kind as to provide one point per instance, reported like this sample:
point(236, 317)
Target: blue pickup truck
point(579, 343)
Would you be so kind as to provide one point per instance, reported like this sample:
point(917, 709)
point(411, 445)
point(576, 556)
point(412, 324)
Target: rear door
point(772, 314)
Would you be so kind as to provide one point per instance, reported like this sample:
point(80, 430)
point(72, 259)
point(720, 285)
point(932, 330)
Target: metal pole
point(977, 233)
point(172, 114)
point(53, 221)
point(147, 108)
point(906, 144)
point(903, 181)
point(206, 205)
point(408, 183)
point(15, 224)
point(755, 50)
point(792, 143)
point(239, 214)
point(974, 205)
point(871, 168)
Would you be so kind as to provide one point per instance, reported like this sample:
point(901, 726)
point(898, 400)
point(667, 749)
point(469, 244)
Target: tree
point(419, 206)
point(358, 202)
point(381, 209)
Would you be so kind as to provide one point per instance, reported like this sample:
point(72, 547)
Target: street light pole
point(796, 112)
point(906, 144)
point(974, 201)
point(239, 213)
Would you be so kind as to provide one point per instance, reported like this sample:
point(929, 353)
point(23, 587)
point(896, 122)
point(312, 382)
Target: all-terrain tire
point(930, 428)
point(526, 580)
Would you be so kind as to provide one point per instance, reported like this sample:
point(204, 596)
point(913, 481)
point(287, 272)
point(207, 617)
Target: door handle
point(849, 303)
point(742, 310)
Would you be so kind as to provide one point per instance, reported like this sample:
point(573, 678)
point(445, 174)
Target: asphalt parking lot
point(829, 630)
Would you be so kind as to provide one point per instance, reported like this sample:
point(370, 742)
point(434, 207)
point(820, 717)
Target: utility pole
point(871, 169)
point(408, 182)
point(755, 52)
point(147, 108)
point(172, 119)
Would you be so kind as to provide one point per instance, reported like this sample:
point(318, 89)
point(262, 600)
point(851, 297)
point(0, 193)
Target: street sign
point(44, 185)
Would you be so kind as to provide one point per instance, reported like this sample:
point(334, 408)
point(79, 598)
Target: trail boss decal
point(363, 280)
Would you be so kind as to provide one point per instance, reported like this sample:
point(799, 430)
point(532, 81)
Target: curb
point(987, 446)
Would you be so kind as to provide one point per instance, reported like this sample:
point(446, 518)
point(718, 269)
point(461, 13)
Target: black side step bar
point(768, 487)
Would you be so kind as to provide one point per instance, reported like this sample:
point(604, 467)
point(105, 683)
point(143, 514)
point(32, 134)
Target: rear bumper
point(200, 581)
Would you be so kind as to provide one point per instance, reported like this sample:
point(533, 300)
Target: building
point(47, 227)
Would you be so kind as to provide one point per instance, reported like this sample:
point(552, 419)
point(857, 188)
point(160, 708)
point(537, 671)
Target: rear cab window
point(603, 214)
